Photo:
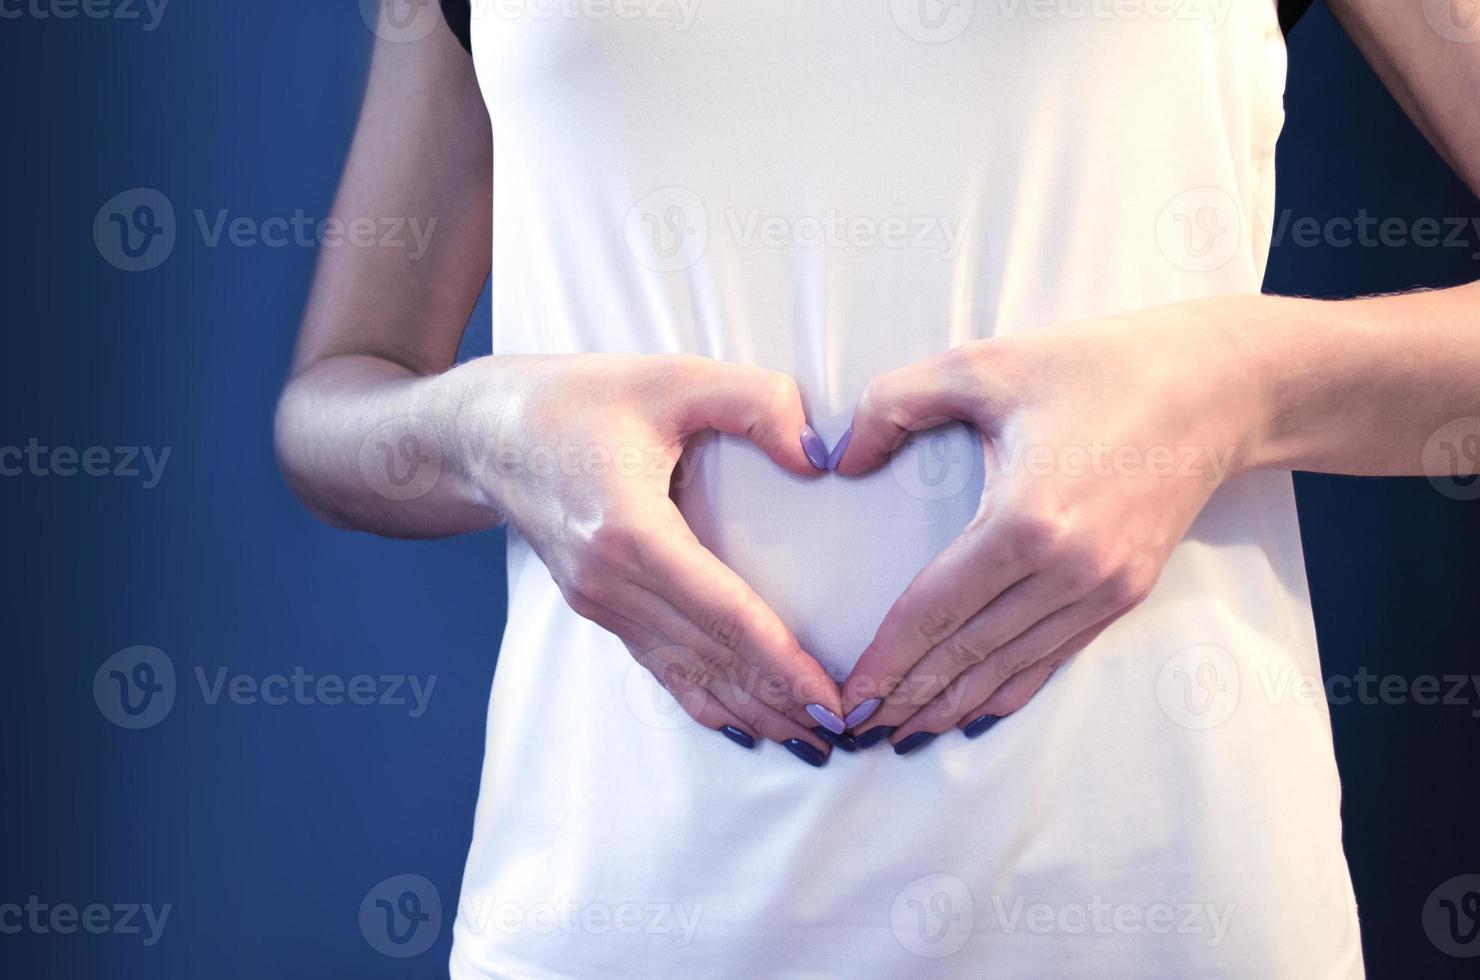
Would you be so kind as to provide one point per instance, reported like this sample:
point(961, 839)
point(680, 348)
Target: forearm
point(1356, 386)
point(369, 445)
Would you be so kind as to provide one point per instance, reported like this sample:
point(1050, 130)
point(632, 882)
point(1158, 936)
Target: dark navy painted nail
point(873, 736)
point(844, 742)
point(913, 742)
point(737, 736)
point(814, 447)
point(806, 751)
point(836, 456)
point(826, 718)
point(979, 726)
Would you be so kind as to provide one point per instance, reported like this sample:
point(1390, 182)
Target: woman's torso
point(835, 188)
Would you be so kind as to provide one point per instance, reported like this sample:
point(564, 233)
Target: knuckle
point(964, 653)
point(1085, 569)
point(933, 624)
point(1127, 586)
point(724, 625)
point(1038, 538)
point(612, 544)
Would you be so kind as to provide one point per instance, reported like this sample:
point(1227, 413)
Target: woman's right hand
point(578, 451)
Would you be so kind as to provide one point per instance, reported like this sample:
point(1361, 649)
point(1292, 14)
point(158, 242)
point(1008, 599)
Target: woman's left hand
point(1102, 440)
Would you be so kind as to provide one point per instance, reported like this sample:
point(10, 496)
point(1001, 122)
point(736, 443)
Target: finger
point(999, 686)
point(709, 701)
point(910, 399)
point(1036, 599)
point(708, 698)
point(744, 635)
point(973, 571)
point(761, 405)
point(700, 661)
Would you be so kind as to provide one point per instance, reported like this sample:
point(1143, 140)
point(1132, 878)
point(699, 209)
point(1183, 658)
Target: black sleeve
point(459, 16)
point(1290, 12)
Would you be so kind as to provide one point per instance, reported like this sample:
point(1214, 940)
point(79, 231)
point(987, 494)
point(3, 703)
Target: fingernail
point(913, 742)
point(844, 742)
point(814, 447)
point(873, 736)
point(737, 736)
point(862, 713)
point(836, 456)
point(806, 751)
point(826, 718)
point(978, 726)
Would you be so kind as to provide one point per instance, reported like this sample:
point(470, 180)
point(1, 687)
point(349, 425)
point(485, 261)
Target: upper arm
point(422, 152)
point(1419, 50)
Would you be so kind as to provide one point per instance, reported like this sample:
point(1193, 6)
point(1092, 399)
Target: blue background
point(264, 826)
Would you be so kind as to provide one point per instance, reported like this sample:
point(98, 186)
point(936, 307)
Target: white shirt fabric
point(835, 188)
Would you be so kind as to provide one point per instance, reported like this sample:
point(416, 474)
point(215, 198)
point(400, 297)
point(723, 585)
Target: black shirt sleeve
point(1290, 12)
point(459, 17)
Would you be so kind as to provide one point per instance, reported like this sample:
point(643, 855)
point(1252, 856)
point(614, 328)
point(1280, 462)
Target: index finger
point(762, 652)
point(957, 584)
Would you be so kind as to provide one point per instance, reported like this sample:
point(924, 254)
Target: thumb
point(761, 405)
point(904, 401)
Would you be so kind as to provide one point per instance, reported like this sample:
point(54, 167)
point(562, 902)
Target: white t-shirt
point(835, 188)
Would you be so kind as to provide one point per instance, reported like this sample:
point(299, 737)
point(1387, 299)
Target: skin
point(578, 451)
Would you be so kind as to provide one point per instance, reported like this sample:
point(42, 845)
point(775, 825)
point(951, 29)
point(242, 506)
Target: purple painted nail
point(863, 712)
point(826, 718)
point(836, 456)
point(814, 447)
